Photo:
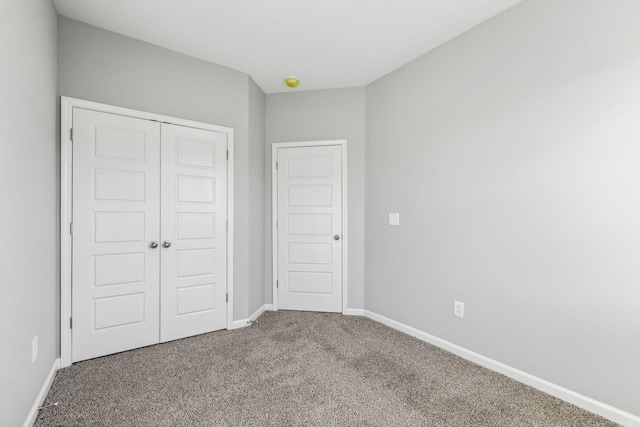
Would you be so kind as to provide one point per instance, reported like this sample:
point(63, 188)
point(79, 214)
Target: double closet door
point(149, 232)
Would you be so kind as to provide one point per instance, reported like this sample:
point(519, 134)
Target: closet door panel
point(194, 237)
point(116, 214)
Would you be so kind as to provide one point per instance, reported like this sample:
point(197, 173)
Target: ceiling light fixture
point(292, 82)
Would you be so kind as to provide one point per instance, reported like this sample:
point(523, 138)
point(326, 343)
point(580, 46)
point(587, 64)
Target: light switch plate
point(394, 219)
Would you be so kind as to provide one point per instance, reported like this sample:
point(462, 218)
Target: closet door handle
point(153, 244)
point(166, 244)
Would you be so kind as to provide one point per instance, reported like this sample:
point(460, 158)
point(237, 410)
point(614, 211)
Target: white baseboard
point(238, 324)
point(243, 323)
point(33, 414)
point(353, 312)
point(584, 402)
point(258, 312)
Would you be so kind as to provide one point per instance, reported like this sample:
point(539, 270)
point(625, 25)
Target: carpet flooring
point(297, 368)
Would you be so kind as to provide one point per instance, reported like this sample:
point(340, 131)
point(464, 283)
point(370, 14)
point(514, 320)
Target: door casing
point(342, 143)
point(66, 204)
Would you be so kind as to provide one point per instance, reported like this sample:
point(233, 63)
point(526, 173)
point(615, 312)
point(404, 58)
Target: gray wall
point(256, 197)
point(512, 155)
point(102, 66)
point(29, 197)
point(318, 115)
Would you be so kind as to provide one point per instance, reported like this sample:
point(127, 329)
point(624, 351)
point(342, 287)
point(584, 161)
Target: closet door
point(194, 236)
point(116, 220)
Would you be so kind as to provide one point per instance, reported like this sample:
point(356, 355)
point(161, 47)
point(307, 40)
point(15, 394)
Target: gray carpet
point(293, 368)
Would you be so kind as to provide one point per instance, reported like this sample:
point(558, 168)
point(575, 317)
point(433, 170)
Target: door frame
point(67, 105)
point(342, 143)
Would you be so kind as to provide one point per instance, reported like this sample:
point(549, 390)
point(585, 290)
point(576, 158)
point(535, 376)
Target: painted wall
point(29, 197)
point(512, 154)
point(319, 115)
point(102, 66)
point(256, 197)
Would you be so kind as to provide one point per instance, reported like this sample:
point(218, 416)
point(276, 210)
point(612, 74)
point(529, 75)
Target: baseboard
point(238, 324)
point(243, 323)
point(258, 312)
point(353, 312)
point(33, 414)
point(581, 401)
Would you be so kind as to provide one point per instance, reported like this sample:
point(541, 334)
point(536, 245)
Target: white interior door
point(116, 215)
point(149, 232)
point(309, 228)
point(194, 236)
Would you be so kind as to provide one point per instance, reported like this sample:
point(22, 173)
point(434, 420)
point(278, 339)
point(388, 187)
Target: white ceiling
point(325, 43)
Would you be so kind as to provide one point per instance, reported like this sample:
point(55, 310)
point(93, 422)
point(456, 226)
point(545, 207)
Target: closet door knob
point(336, 237)
point(153, 244)
point(166, 244)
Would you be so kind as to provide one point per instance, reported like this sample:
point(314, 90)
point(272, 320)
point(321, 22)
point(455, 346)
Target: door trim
point(66, 203)
point(342, 143)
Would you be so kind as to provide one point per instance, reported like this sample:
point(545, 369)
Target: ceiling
point(325, 43)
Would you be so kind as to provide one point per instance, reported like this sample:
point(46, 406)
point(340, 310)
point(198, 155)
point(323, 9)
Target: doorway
point(309, 226)
point(147, 257)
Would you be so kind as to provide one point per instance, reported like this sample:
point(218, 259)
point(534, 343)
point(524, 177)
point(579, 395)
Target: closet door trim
point(66, 203)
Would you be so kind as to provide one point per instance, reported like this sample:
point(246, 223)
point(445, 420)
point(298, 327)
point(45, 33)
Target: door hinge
point(277, 284)
point(276, 224)
point(71, 228)
point(227, 225)
point(276, 165)
point(227, 297)
point(227, 154)
point(71, 134)
point(70, 322)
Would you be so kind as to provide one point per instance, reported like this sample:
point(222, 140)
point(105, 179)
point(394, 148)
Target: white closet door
point(310, 228)
point(194, 237)
point(116, 206)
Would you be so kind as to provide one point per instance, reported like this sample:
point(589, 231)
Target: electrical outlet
point(458, 309)
point(34, 350)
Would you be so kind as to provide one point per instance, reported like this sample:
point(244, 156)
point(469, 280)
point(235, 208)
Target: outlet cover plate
point(458, 309)
point(34, 350)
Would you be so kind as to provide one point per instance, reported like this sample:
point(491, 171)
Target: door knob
point(153, 244)
point(166, 244)
point(336, 237)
